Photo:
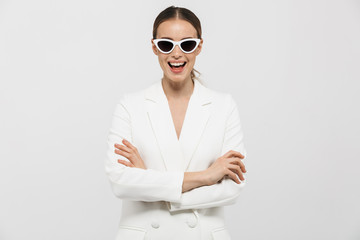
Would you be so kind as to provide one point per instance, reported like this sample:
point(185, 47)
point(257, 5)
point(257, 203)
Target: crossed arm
point(229, 164)
point(216, 186)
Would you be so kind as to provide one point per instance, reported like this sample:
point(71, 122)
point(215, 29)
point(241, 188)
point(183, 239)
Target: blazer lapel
point(177, 154)
point(197, 115)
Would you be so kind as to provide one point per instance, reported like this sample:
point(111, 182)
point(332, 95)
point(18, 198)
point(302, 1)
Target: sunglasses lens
point(165, 46)
point(188, 45)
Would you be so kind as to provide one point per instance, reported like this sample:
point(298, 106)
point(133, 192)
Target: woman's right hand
point(229, 164)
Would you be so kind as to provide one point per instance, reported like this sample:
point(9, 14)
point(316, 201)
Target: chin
point(178, 78)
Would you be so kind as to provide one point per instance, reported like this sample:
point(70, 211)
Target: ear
point(198, 49)
point(154, 48)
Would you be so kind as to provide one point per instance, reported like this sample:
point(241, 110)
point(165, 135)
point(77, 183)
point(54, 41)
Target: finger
point(128, 144)
point(232, 175)
point(116, 145)
point(238, 162)
point(234, 160)
point(124, 148)
point(242, 166)
point(236, 169)
point(126, 163)
point(232, 153)
point(122, 153)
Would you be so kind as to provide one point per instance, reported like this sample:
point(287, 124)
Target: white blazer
point(154, 207)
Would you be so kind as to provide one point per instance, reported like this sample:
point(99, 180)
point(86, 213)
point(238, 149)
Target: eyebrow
point(173, 39)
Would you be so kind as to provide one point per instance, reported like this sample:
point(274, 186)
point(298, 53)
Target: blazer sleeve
point(227, 191)
point(134, 183)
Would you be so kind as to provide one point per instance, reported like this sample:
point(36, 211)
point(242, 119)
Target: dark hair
point(178, 13)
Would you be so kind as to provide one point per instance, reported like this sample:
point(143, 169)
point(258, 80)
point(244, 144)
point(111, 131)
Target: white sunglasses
point(186, 45)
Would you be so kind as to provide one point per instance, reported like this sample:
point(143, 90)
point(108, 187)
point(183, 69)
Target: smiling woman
point(178, 13)
point(175, 148)
point(180, 37)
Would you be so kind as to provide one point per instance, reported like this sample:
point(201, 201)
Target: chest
point(178, 111)
point(178, 136)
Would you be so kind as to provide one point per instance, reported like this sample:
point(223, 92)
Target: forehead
point(176, 29)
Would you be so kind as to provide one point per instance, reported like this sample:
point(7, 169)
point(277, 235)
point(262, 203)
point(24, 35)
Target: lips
point(176, 67)
point(176, 64)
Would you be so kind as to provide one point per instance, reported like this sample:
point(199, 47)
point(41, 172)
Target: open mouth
point(175, 65)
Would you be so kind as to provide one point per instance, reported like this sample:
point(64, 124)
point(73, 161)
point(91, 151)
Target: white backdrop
point(292, 66)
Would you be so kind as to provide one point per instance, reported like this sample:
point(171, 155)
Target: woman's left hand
point(131, 153)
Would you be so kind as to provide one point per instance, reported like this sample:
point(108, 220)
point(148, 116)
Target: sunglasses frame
point(176, 43)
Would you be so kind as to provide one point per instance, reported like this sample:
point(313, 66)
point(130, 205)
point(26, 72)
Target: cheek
point(163, 63)
point(161, 59)
point(191, 59)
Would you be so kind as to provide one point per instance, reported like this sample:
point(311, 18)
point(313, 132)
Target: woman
point(175, 148)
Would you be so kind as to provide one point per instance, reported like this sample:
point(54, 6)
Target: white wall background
point(292, 66)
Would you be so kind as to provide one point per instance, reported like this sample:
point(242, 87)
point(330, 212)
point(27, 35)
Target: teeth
point(177, 64)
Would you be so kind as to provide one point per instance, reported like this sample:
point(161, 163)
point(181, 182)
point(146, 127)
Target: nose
point(177, 52)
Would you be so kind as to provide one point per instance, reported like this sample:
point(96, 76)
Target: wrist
point(205, 178)
point(194, 180)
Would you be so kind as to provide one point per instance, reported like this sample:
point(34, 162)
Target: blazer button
point(192, 222)
point(155, 224)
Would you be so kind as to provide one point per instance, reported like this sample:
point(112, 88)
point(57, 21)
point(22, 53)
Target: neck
point(177, 90)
